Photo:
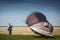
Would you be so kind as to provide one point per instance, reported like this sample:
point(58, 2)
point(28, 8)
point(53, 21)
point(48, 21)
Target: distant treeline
point(24, 26)
point(14, 26)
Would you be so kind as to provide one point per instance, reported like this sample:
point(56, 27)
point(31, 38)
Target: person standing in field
point(10, 28)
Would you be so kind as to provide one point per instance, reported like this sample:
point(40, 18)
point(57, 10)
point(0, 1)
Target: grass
point(26, 37)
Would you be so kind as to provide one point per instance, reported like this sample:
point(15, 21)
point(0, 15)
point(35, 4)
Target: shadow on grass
point(55, 36)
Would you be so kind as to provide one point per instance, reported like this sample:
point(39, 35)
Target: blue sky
point(16, 11)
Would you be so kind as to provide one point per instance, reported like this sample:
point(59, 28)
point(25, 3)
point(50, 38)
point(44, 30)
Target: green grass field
point(26, 37)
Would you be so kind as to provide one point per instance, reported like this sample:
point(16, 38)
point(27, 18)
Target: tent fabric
point(35, 18)
point(40, 20)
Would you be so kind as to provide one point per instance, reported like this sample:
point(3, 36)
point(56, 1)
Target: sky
point(16, 11)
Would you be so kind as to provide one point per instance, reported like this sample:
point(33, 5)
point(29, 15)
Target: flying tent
point(38, 23)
